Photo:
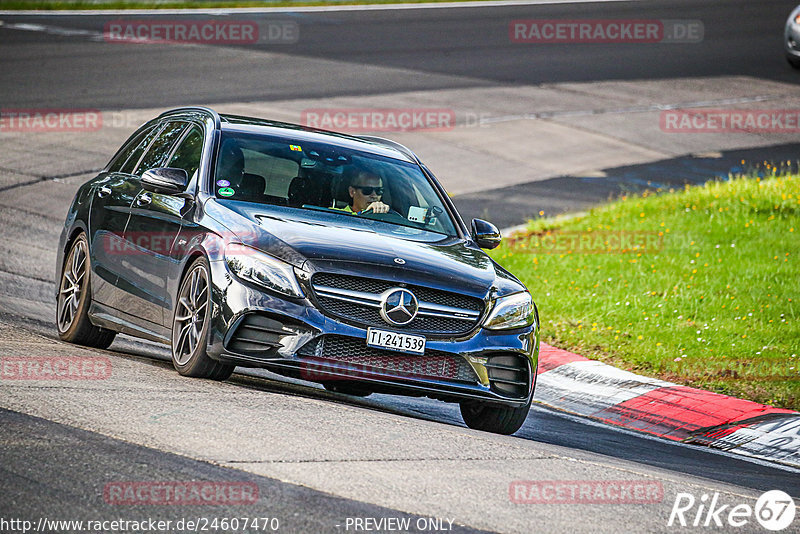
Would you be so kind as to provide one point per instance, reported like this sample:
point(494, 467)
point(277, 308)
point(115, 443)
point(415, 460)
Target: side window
point(130, 145)
point(161, 146)
point(139, 149)
point(187, 155)
point(277, 172)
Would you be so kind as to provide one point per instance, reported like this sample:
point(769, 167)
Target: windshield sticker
point(223, 183)
point(226, 191)
point(295, 148)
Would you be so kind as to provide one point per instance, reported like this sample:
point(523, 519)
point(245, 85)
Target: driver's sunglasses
point(367, 190)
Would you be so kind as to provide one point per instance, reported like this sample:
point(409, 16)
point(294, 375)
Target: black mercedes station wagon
point(326, 257)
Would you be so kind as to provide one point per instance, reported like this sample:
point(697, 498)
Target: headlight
point(249, 264)
point(512, 311)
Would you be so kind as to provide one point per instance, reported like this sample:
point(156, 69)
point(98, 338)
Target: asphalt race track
point(319, 458)
point(428, 49)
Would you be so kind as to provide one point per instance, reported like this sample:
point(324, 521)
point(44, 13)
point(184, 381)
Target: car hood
point(318, 241)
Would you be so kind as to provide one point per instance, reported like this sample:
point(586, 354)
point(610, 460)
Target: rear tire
point(493, 418)
point(75, 297)
point(793, 61)
point(190, 324)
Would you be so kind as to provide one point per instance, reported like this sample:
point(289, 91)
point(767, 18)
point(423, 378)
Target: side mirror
point(485, 234)
point(165, 180)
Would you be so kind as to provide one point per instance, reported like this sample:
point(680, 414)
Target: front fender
point(75, 222)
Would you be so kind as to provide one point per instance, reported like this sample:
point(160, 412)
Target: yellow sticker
point(295, 148)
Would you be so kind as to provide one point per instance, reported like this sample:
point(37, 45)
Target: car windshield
point(315, 176)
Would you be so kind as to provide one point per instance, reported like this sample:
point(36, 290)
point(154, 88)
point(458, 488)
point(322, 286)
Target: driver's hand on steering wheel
point(377, 207)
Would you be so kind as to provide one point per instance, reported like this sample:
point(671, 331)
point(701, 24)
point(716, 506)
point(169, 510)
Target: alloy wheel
point(191, 315)
point(72, 284)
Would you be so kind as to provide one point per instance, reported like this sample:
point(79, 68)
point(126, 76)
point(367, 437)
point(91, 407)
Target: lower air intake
point(358, 356)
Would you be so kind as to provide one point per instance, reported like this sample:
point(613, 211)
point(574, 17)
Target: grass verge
point(698, 286)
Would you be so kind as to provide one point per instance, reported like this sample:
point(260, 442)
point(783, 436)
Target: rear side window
point(158, 151)
point(131, 145)
point(277, 172)
point(187, 155)
point(137, 152)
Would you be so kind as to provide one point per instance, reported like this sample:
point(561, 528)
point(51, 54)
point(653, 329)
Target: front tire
point(493, 418)
point(75, 297)
point(190, 325)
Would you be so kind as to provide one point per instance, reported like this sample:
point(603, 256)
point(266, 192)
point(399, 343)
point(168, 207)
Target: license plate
point(384, 339)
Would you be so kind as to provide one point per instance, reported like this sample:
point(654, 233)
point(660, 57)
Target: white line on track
point(52, 30)
point(308, 9)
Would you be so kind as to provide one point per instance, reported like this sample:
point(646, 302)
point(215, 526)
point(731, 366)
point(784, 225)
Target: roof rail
point(394, 144)
point(197, 109)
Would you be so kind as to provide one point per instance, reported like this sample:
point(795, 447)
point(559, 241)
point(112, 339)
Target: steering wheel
point(389, 216)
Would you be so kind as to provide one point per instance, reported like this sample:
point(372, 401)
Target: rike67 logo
point(774, 510)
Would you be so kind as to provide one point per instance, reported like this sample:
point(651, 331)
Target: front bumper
point(255, 328)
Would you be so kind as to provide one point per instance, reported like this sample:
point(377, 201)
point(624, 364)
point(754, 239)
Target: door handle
point(104, 191)
point(143, 199)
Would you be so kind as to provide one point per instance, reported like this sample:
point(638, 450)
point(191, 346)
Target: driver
point(366, 190)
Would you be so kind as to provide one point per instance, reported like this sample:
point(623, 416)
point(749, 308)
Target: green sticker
point(226, 191)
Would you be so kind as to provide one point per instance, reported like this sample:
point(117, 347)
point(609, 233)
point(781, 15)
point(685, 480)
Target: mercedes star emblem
point(398, 306)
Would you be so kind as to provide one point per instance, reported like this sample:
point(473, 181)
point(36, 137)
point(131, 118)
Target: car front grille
point(358, 300)
point(362, 360)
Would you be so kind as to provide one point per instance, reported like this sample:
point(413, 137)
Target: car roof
point(372, 145)
point(229, 122)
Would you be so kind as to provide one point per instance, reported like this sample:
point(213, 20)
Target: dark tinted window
point(187, 155)
point(131, 145)
point(158, 151)
point(138, 150)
